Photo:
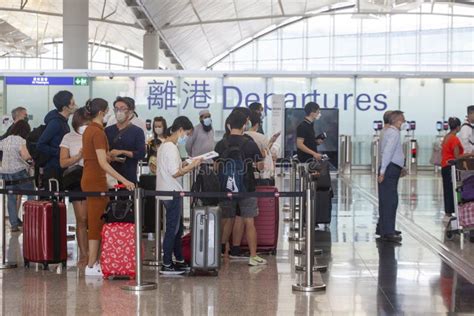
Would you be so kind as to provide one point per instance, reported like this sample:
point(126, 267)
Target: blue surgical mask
point(182, 139)
point(207, 121)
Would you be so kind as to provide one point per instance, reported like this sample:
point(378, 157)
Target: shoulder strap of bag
point(120, 133)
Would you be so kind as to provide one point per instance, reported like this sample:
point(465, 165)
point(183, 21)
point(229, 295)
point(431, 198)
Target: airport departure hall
point(236, 157)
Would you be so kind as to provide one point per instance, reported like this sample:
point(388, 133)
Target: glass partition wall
point(361, 99)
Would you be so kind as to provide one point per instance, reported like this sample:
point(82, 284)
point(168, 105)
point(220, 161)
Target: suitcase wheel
point(64, 263)
point(449, 235)
point(45, 266)
point(27, 264)
point(215, 273)
point(274, 252)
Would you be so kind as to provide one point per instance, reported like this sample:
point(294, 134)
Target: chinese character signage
point(40, 81)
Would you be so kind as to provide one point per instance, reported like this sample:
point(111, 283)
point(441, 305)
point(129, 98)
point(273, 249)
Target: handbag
point(72, 177)
point(119, 211)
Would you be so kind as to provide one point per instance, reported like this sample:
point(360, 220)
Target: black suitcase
point(148, 182)
point(322, 168)
point(323, 207)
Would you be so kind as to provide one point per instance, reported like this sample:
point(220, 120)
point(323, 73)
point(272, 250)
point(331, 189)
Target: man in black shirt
point(250, 154)
point(306, 142)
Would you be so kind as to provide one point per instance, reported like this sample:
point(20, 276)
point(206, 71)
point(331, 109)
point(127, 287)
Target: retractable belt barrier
point(19, 181)
point(138, 195)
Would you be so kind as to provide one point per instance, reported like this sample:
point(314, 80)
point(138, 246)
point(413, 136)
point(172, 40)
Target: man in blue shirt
point(391, 168)
point(126, 141)
point(56, 127)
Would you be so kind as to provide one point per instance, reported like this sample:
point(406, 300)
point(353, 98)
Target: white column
point(151, 48)
point(75, 34)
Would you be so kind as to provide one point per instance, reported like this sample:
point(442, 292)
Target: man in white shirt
point(467, 131)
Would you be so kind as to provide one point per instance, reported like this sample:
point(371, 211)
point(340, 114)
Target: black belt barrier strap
point(154, 193)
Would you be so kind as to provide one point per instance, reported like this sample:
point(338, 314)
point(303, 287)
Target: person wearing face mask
point(202, 139)
point(111, 119)
point(391, 169)
point(127, 141)
point(169, 171)
point(94, 151)
point(306, 142)
point(257, 107)
point(159, 128)
point(70, 159)
point(56, 127)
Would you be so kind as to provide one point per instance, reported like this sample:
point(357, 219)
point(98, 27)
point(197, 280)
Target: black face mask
point(26, 119)
point(206, 128)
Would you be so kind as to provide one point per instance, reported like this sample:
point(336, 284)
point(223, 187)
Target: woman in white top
point(169, 169)
point(159, 128)
point(70, 158)
point(15, 167)
point(265, 145)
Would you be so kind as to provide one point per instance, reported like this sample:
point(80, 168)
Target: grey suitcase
point(206, 238)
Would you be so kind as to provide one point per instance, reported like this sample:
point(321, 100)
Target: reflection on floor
point(364, 276)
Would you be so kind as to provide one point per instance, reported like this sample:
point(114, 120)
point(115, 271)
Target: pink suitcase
point(266, 222)
point(466, 214)
point(117, 257)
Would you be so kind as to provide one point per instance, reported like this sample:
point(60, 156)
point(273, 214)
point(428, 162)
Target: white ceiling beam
point(265, 17)
point(46, 13)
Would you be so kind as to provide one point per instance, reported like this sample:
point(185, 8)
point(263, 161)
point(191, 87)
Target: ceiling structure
point(193, 32)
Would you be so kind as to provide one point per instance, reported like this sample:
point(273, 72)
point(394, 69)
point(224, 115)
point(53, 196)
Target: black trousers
point(388, 199)
point(448, 190)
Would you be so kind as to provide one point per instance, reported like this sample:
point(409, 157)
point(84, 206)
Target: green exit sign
point(81, 81)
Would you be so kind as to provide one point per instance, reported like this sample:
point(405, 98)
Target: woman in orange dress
point(94, 151)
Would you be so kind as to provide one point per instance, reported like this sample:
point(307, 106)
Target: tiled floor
point(364, 276)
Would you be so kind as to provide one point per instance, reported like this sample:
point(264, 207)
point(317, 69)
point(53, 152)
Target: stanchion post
point(139, 284)
point(300, 236)
point(156, 262)
point(308, 284)
point(292, 206)
point(3, 264)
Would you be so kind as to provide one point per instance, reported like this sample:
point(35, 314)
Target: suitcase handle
point(55, 181)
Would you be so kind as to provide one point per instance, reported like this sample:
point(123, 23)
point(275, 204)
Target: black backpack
point(31, 144)
point(206, 181)
point(233, 176)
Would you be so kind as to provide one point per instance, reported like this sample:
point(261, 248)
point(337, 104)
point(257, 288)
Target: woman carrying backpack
point(15, 167)
point(169, 169)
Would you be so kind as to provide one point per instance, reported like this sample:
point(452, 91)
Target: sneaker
point(182, 265)
point(20, 223)
point(257, 261)
point(239, 256)
point(94, 271)
point(14, 229)
point(171, 270)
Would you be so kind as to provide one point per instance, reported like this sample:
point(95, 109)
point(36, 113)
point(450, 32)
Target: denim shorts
point(248, 207)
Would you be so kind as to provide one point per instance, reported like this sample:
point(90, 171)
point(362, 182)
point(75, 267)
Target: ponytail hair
point(180, 122)
point(94, 106)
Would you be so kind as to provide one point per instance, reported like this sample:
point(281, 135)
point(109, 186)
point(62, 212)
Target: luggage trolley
point(460, 223)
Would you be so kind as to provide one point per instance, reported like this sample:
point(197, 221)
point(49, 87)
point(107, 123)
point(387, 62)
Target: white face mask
point(121, 117)
point(207, 121)
point(404, 126)
point(318, 116)
point(82, 129)
point(159, 131)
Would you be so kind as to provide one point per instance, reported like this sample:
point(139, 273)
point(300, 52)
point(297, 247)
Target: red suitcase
point(117, 257)
point(44, 233)
point(266, 223)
